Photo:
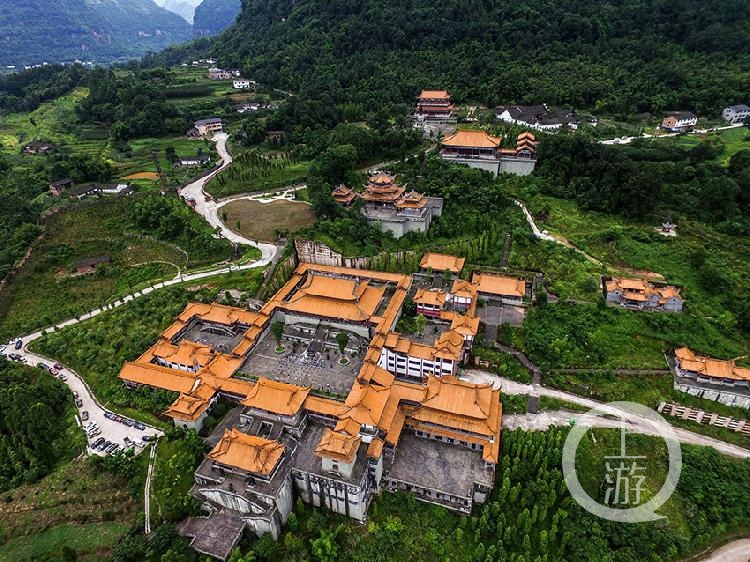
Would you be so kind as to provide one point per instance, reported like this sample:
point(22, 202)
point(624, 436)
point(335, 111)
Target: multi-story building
point(735, 113)
point(401, 408)
point(389, 205)
point(206, 127)
point(478, 149)
point(435, 107)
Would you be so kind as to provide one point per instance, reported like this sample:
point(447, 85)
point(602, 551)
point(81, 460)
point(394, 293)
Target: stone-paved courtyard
point(320, 371)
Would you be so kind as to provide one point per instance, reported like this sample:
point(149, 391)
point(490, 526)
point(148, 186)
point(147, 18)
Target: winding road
point(113, 430)
point(636, 424)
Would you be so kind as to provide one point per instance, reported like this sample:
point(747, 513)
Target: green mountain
point(34, 31)
point(214, 16)
point(617, 56)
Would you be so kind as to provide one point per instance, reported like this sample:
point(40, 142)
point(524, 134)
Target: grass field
point(46, 289)
point(76, 506)
point(263, 221)
point(246, 175)
point(732, 140)
point(89, 541)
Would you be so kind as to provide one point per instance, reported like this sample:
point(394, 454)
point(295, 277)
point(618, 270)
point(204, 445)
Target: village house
point(434, 107)
point(406, 422)
point(206, 127)
point(640, 294)
point(89, 265)
point(541, 117)
point(478, 149)
point(221, 74)
point(38, 148)
point(243, 84)
point(713, 379)
point(192, 161)
point(679, 121)
point(57, 188)
point(89, 189)
point(735, 114)
point(393, 208)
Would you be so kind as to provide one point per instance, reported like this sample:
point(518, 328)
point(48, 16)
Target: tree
point(171, 154)
point(342, 338)
point(277, 329)
point(420, 324)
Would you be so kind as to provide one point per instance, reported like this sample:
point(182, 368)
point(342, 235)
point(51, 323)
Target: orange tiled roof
point(348, 426)
point(411, 200)
point(276, 397)
point(247, 452)
point(465, 325)
point(375, 449)
point(338, 446)
point(710, 367)
point(434, 95)
point(323, 406)
point(343, 194)
point(218, 313)
point(336, 298)
point(189, 407)
point(472, 139)
point(158, 376)
point(184, 353)
point(499, 285)
point(432, 297)
point(462, 288)
point(441, 262)
point(449, 345)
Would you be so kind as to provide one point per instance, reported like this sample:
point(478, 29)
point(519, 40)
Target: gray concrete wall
point(517, 166)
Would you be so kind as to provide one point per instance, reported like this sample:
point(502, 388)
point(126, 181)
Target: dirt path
point(736, 551)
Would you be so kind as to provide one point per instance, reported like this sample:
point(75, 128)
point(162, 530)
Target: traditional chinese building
point(344, 195)
point(478, 149)
point(397, 211)
point(406, 422)
point(713, 379)
point(641, 294)
point(434, 106)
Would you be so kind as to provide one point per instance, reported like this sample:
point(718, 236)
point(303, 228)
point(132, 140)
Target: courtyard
point(305, 365)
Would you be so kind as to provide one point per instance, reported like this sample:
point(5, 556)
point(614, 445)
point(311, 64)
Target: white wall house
point(735, 113)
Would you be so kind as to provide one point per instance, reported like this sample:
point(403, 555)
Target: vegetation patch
point(266, 221)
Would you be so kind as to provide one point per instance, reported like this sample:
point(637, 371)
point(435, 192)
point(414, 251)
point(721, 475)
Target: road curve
point(636, 424)
point(735, 551)
point(209, 209)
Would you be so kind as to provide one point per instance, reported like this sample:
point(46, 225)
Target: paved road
point(627, 140)
point(636, 423)
point(209, 210)
point(111, 430)
point(736, 551)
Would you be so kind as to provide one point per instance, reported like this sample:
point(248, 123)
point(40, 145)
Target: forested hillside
point(214, 16)
point(35, 31)
point(620, 57)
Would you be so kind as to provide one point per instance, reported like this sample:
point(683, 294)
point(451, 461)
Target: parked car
point(128, 422)
point(111, 448)
point(43, 366)
point(14, 357)
point(75, 394)
point(54, 372)
point(95, 444)
point(18, 344)
point(58, 366)
point(63, 377)
point(139, 425)
point(84, 415)
point(103, 446)
point(148, 438)
point(109, 415)
point(79, 402)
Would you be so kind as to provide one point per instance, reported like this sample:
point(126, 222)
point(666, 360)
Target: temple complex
point(478, 149)
point(389, 204)
point(333, 422)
